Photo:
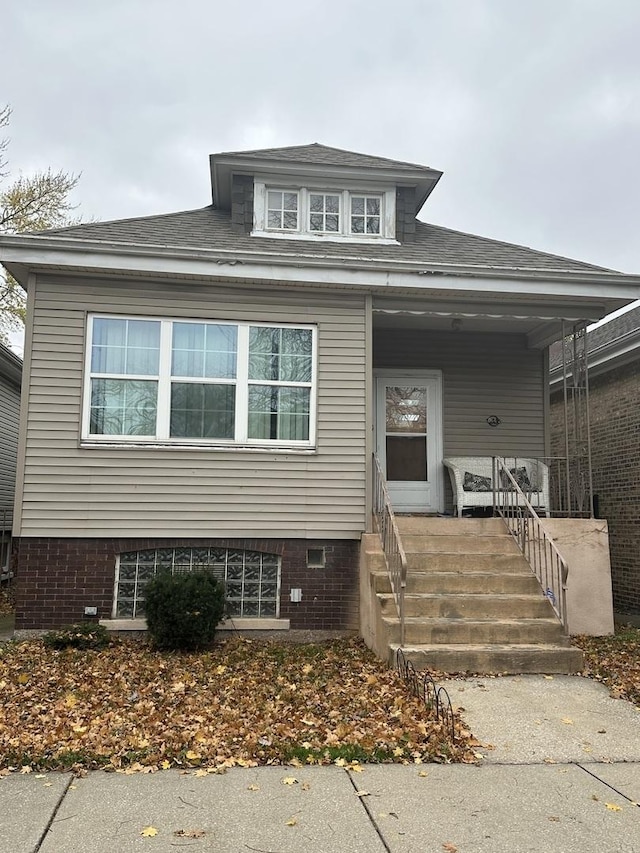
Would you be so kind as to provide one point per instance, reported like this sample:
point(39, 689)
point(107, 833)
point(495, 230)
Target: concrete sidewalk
point(529, 719)
point(530, 793)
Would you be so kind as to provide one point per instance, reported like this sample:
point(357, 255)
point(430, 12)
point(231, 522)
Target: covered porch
point(472, 380)
point(504, 592)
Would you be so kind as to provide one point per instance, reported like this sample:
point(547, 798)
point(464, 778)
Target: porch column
point(575, 385)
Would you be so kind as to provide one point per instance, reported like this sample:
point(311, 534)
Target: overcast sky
point(530, 107)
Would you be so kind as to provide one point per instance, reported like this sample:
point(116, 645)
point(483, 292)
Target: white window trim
point(164, 379)
point(386, 194)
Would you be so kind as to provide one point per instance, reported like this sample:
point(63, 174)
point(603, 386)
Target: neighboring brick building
point(614, 401)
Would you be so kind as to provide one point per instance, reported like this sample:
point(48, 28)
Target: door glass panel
point(406, 428)
point(406, 410)
point(407, 458)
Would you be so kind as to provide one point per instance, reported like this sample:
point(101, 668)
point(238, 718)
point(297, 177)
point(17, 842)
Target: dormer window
point(324, 213)
point(282, 210)
point(316, 213)
point(365, 214)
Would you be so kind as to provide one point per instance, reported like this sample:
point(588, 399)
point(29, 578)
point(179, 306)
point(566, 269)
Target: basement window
point(316, 558)
point(251, 578)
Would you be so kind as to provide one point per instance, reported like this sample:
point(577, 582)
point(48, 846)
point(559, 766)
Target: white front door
point(409, 439)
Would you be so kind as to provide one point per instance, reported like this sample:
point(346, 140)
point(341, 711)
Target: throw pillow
point(519, 475)
point(476, 483)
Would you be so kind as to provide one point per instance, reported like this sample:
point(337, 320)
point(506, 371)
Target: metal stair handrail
point(394, 555)
point(547, 563)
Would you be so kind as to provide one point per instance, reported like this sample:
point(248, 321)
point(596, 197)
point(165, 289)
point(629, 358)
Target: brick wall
point(57, 578)
point(614, 400)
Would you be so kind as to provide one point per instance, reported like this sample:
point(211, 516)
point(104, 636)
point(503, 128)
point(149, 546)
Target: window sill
point(234, 448)
point(353, 239)
point(237, 624)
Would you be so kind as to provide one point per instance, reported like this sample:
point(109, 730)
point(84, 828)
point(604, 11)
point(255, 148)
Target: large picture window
point(199, 382)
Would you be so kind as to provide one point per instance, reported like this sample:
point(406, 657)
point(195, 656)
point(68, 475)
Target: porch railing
point(570, 487)
point(394, 556)
point(547, 563)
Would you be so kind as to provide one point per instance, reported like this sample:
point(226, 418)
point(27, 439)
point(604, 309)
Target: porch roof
point(541, 322)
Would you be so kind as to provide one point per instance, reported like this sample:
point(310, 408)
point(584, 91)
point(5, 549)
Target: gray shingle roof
point(323, 155)
point(210, 229)
point(614, 329)
point(607, 333)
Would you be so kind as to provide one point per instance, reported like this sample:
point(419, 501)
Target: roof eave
point(223, 167)
point(425, 191)
point(591, 294)
point(22, 249)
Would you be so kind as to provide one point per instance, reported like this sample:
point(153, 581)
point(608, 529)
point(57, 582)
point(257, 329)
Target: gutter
point(28, 246)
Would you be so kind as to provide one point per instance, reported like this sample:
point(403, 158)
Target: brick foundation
point(614, 403)
point(57, 578)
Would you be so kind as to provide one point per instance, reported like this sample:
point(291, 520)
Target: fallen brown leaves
point(243, 703)
point(615, 661)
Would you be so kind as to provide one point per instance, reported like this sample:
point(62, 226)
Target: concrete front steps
point(472, 603)
point(493, 658)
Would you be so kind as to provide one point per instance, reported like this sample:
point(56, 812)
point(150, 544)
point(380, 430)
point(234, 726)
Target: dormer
point(314, 192)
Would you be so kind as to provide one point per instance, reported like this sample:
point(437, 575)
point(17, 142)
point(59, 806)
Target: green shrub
point(183, 610)
point(84, 635)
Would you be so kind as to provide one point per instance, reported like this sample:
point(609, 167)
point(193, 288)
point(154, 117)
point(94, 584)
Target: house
point(10, 378)
point(208, 388)
point(613, 350)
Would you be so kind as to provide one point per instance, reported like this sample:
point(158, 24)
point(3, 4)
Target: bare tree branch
point(31, 203)
point(5, 115)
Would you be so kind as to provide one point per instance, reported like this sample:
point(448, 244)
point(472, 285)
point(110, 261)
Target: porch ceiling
point(541, 323)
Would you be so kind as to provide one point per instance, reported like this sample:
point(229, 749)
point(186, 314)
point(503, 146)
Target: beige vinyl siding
point(482, 375)
point(85, 491)
point(9, 421)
